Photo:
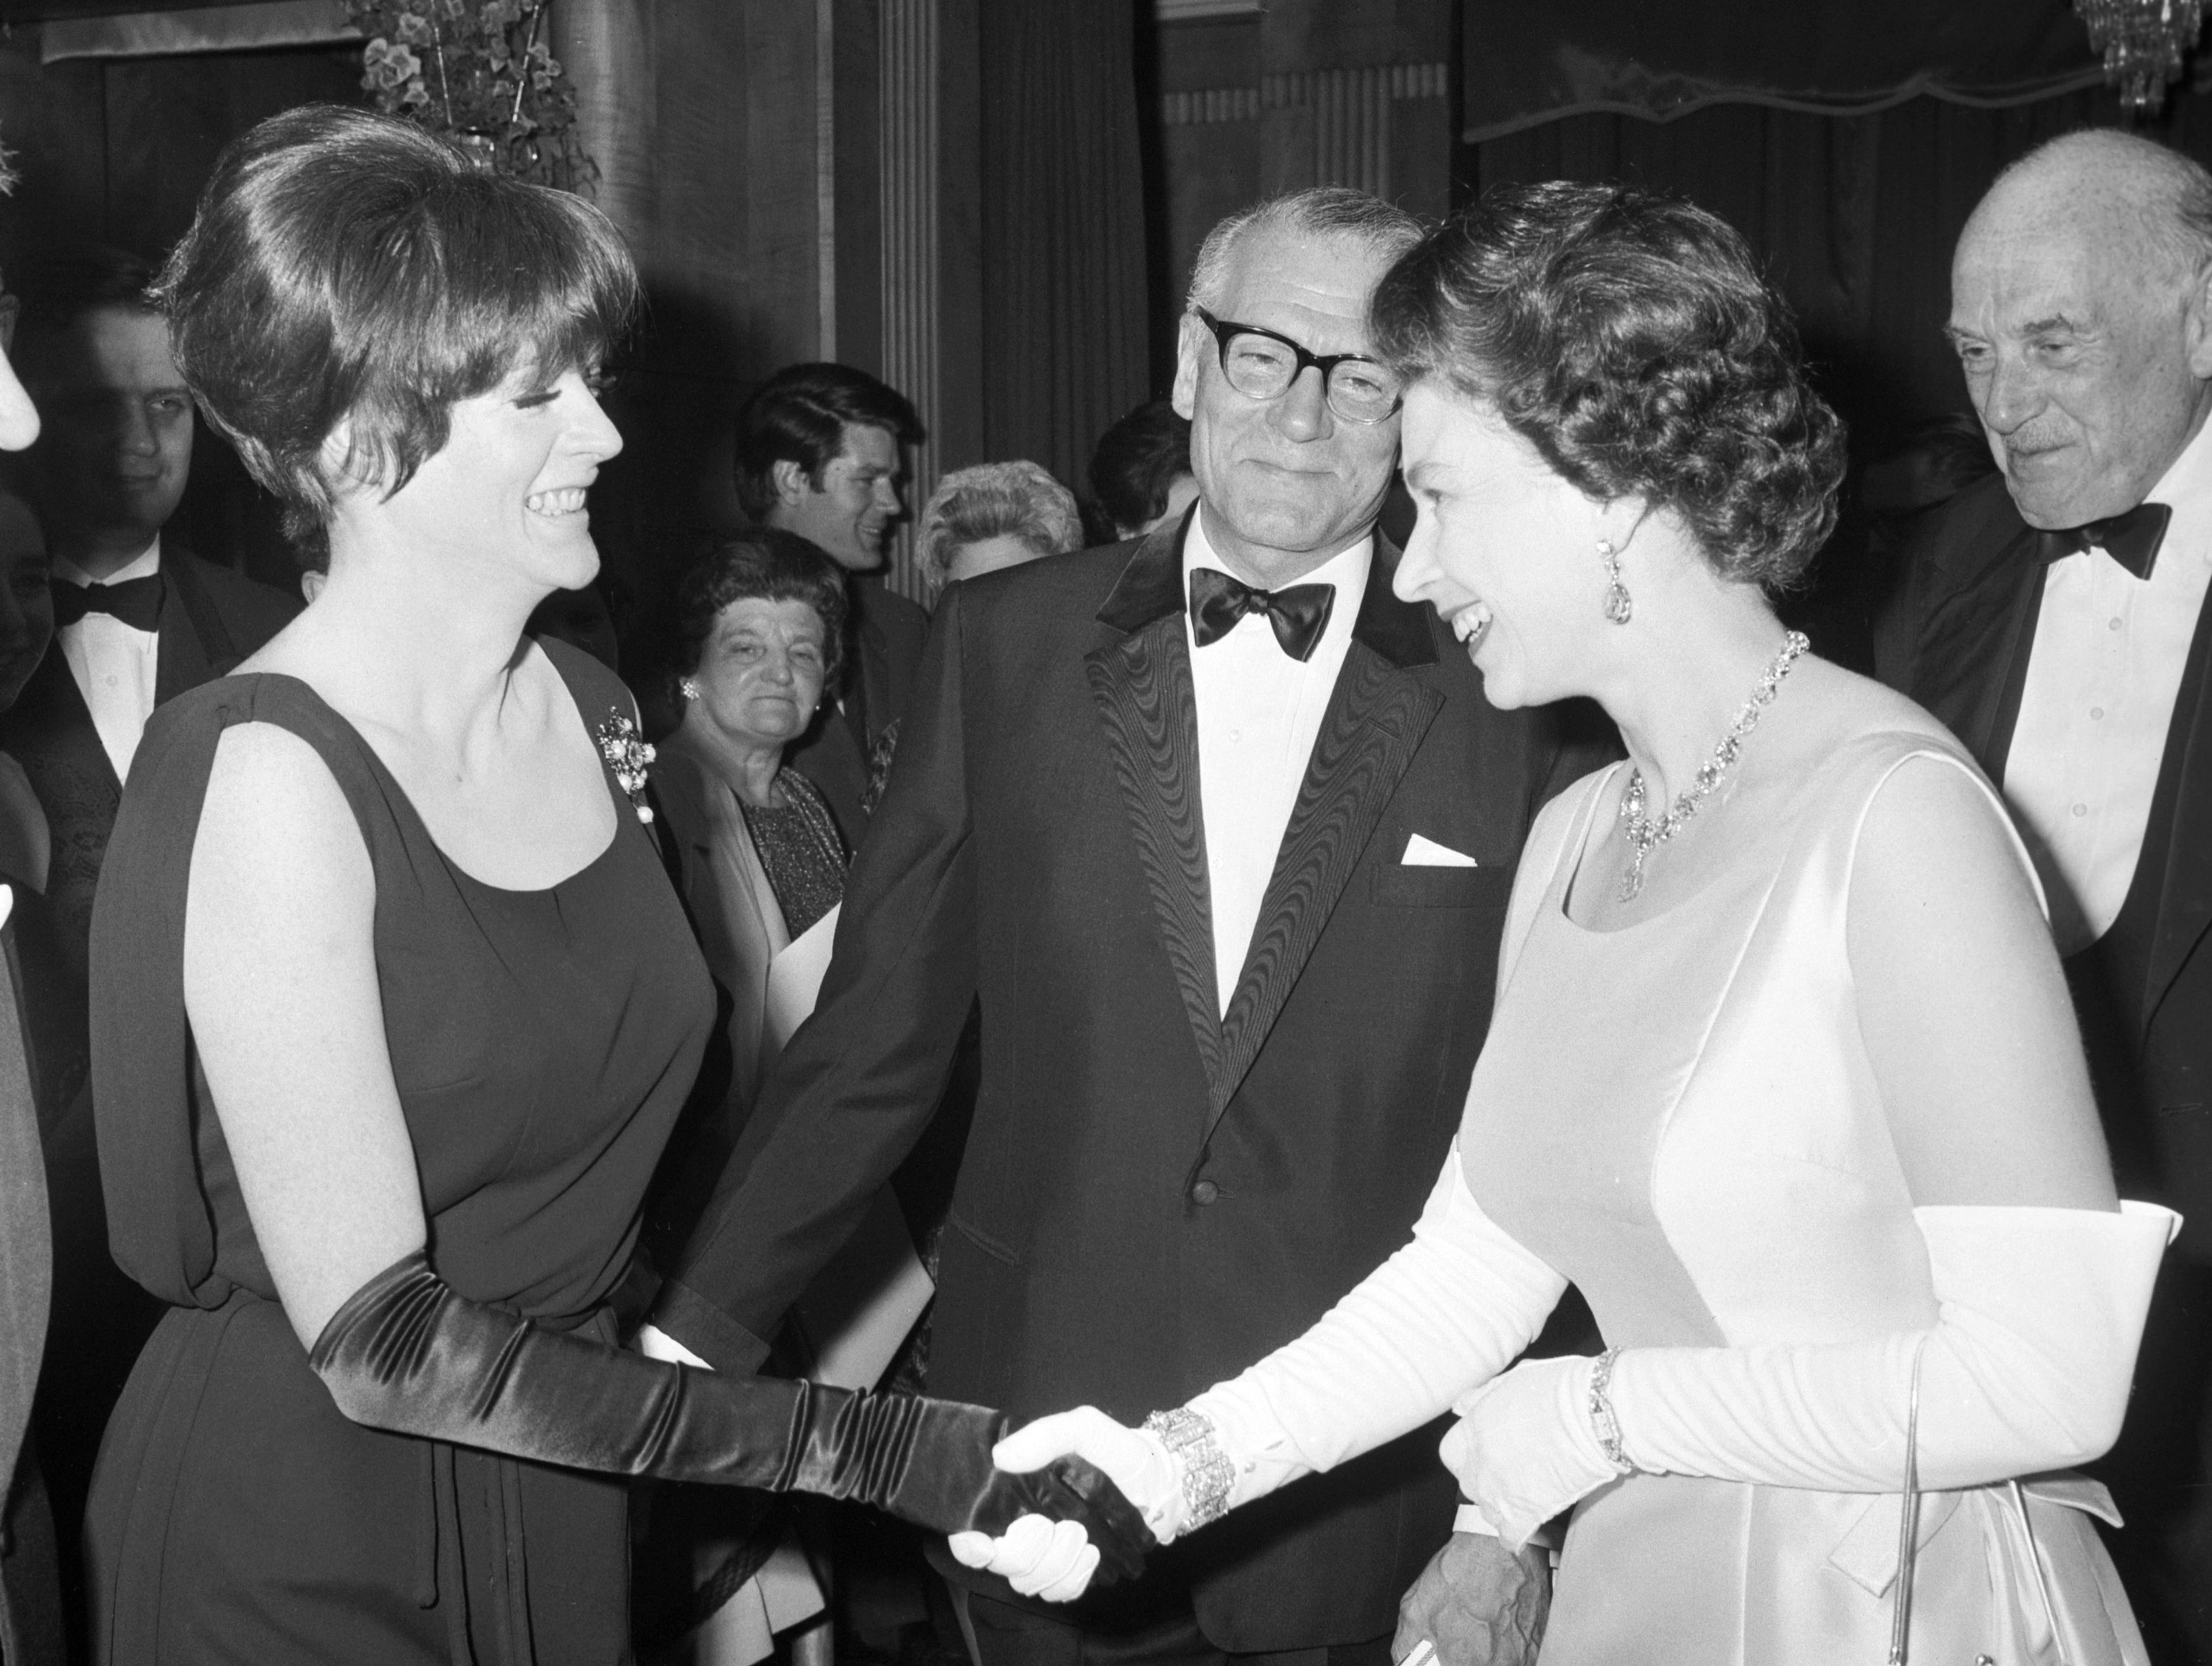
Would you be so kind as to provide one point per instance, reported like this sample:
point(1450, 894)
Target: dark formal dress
point(542, 1041)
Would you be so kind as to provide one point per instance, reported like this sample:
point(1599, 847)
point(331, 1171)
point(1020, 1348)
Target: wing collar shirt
point(2106, 664)
point(1259, 712)
point(113, 664)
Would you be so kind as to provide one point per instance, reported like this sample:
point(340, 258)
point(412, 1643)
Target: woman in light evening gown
point(1783, 1074)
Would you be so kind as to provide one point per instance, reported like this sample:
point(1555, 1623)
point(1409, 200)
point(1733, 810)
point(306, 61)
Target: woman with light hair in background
point(994, 515)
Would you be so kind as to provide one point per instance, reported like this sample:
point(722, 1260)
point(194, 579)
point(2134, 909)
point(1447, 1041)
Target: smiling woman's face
point(1504, 549)
point(761, 670)
point(508, 488)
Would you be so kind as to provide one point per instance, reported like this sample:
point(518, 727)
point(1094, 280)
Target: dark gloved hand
point(407, 1354)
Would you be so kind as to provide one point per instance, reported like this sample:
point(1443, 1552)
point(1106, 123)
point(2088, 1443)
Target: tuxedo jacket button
point(1205, 1192)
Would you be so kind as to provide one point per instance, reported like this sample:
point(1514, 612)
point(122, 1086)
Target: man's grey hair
point(996, 500)
point(2172, 193)
point(1321, 211)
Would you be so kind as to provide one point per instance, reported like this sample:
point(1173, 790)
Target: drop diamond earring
point(1619, 605)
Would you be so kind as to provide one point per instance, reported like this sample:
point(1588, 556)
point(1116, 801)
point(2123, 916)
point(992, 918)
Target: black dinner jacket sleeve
point(858, 1084)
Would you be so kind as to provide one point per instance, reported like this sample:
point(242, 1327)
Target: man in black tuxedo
point(137, 619)
point(1221, 834)
point(820, 453)
point(2055, 618)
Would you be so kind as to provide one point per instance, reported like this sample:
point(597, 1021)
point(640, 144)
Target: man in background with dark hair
point(1141, 473)
point(819, 455)
point(137, 620)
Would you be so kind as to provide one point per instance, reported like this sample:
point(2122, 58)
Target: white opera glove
point(1055, 1560)
point(1449, 1311)
point(1446, 1311)
point(2025, 1369)
point(1525, 1448)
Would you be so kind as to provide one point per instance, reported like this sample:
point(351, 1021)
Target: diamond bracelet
point(1603, 1419)
point(1208, 1475)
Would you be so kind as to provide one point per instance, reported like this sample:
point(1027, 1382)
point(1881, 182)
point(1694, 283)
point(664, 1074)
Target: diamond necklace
point(1646, 835)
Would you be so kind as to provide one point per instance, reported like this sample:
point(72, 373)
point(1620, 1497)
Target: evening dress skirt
point(1680, 1116)
point(542, 1042)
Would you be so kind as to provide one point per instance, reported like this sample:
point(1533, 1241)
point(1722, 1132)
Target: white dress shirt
point(1259, 711)
point(2105, 666)
point(113, 665)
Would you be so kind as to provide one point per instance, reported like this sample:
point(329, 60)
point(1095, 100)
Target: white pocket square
point(1427, 852)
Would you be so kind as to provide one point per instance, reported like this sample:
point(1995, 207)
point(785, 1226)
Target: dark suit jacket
point(1153, 1197)
point(884, 639)
point(211, 618)
point(1957, 639)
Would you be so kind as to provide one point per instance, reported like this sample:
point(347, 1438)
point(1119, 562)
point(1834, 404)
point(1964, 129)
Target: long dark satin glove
point(406, 1354)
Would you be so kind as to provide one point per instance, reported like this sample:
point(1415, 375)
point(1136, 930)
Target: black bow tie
point(2131, 539)
point(137, 602)
point(1297, 615)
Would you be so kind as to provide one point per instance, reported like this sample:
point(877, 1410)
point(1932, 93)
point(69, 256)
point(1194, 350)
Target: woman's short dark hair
point(765, 563)
point(344, 264)
point(799, 416)
point(1137, 463)
point(1629, 338)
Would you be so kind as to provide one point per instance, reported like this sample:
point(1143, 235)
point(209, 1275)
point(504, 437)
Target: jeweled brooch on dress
point(628, 756)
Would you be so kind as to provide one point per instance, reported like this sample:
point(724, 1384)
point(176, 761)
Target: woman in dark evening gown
point(394, 1007)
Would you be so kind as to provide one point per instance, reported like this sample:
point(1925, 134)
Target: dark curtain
point(1528, 64)
point(1064, 323)
point(1855, 216)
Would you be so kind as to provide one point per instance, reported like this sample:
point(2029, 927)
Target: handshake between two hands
point(1057, 1560)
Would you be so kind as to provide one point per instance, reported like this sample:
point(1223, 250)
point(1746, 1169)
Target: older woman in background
point(994, 515)
point(759, 624)
point(1783, 1074)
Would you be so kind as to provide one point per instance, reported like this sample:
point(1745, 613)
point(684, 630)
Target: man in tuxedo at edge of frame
point(2055, 618)
point(1221, 833)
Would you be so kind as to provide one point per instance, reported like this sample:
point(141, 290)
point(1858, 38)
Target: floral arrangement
point(475, 72)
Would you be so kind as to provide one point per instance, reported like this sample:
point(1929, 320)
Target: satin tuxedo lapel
point(1376, 716)
point(2181, 814)
point(1149, 712)
point(1973, 645)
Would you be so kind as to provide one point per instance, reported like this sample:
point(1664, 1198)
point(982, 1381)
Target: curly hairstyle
point(995, 499)
point(347, 265)
point(764, 563)
point(1629, 338)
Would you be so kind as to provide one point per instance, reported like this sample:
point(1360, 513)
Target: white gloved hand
point(1524, 1448)
point(1134, 1460)
point(1055, 1560)
point(1037, 1556)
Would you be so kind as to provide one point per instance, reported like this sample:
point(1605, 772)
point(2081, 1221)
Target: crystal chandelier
point(2143, 41)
